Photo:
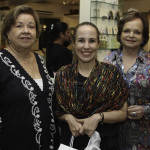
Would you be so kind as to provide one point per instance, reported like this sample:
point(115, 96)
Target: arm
point(116, 115)
point(90, 124)
point(146, 109)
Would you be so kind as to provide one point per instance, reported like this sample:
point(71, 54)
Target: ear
point(61, 35)
point(8, 35)
point(73, 44)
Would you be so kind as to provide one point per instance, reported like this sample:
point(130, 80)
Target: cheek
point(142, 39)
point(78, 46)
point(34, 33)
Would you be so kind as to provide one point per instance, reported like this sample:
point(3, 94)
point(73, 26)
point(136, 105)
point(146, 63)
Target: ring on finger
point(133, 114)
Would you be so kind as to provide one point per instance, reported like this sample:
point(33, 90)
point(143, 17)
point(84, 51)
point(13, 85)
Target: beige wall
point(58, 13)
point(141, 5)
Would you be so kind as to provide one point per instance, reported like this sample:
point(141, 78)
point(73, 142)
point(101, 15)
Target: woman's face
point(86, 43)
point(67, 35)
point(23, 33)
point(132, 34)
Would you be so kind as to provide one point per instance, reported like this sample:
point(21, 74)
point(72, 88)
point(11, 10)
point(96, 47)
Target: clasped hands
point(83, 126)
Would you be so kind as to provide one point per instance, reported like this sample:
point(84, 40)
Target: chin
point(26, 46)
point(87, 60)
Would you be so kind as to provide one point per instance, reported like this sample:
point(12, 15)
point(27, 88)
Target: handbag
point(93, 144)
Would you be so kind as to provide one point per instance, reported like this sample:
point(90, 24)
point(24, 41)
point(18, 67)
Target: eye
point(126, 31)
point(92, 40)
point(81, 40)
point(137, 32)
point(31, 26)
point(18, 26)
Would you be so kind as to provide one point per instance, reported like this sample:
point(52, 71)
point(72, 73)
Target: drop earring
point(9, 41)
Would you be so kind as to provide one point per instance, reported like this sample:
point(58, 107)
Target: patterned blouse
point(135, 134)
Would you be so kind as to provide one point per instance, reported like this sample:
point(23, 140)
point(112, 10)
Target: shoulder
point(111, 56)
point(108, 67)
point(145, 57)
point(56, 47)
point(66, 70)
point(39, 58)
point(110, 71)
point(4, 56)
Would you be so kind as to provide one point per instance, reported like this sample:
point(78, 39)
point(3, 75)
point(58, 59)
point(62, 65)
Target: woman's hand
point(74, 126)
point(135, 112)
point(89, 124)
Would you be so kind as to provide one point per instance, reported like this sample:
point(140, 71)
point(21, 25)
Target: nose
point(131, 34)
point(25, 29)
point(86, 45)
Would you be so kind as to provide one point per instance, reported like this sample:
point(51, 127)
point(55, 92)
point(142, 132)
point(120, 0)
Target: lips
point(25, 38)
point(131, 41)
point(86, 53)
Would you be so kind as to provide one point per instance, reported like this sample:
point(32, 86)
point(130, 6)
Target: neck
point(130, 52)
point(19, 53)
point(58, 41)
point(86, 68)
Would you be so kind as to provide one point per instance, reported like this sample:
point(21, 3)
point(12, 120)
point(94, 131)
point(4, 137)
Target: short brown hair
point(11, 17)
point(129, 16)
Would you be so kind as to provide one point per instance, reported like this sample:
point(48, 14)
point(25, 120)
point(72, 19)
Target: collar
point(143, 56)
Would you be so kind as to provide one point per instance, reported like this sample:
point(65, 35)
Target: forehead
point(136, 23)
point(25, 18)
point(85, 30)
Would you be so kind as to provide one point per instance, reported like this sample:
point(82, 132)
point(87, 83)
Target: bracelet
point(102, 115)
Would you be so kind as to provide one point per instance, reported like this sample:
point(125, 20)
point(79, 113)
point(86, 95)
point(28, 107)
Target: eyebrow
point(28, 22)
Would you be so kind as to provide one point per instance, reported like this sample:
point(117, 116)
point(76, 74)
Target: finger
point(134, 114)
point(81, 131)
point(80, 121)
point(75, 134)
point(90, 134)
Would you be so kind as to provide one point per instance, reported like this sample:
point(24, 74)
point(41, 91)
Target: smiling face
point(23, 33)
point(132, 34)
point(86, 43)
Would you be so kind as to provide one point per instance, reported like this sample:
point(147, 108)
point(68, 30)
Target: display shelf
point(104, 14)
point(103, 2)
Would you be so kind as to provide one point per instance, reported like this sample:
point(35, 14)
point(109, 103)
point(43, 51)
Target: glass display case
point(104, 14)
